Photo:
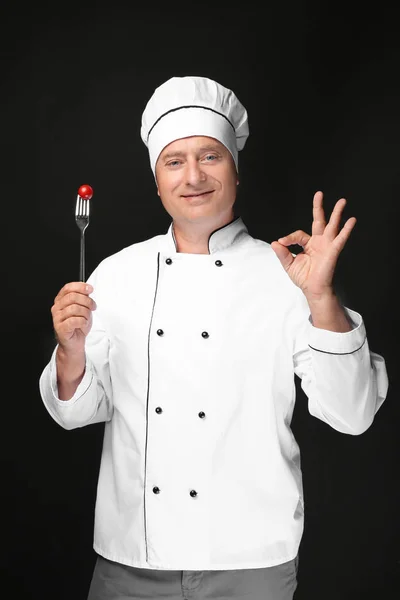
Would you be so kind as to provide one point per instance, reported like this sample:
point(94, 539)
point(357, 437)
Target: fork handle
point(82, 258)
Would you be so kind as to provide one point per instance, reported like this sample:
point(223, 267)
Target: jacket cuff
point(334, 342)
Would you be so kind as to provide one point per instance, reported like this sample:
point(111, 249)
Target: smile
point(203, 194)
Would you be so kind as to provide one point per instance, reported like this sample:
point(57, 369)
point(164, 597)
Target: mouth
point(201, 195)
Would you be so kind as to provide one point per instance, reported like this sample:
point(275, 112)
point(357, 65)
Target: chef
point(186, 346)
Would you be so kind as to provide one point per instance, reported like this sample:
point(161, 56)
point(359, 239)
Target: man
point(186, 345)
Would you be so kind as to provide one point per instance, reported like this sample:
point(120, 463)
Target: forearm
point(70, 372)
point(327, 313)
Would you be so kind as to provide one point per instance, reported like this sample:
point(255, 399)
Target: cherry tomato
point(85, 192)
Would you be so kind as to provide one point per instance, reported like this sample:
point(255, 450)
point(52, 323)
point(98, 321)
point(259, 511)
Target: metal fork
point(82, 211)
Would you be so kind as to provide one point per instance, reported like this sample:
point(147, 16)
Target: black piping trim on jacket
point(189, 106)
point(222, 227)
point(147, 399)
point(219, 229)
point(338, 353)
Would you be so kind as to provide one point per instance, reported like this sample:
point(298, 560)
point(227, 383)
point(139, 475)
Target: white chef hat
point(186, 106)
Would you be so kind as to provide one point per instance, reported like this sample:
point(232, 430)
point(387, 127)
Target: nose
point(194, 173)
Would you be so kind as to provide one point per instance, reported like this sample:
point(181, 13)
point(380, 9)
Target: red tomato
point(85, 192)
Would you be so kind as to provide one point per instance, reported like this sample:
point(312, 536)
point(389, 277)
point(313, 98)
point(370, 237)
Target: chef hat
point(186, 106)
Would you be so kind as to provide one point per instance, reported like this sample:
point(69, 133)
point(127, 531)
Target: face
point(196, 179)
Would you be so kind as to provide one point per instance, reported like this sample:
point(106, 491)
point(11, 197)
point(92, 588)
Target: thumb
point(285, 256)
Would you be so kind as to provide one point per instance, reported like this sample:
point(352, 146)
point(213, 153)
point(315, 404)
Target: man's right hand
point(72, 316)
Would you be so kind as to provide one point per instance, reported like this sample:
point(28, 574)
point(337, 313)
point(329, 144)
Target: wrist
point(327, 297)
point(70, 366)
point(328, 313)
point(66, 354)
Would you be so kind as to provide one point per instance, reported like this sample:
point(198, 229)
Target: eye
point(173, 163)
point(210, 156)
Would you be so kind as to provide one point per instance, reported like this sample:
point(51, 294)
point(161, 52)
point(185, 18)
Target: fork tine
point(78, 206)
point(86, 204)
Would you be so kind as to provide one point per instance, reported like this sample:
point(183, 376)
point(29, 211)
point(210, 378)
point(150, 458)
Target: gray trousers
point(115, 581)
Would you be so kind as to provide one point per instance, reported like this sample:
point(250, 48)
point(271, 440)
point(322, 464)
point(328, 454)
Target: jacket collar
point(220, 239)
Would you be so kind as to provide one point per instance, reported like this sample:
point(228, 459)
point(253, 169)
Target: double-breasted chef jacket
point(191, 363)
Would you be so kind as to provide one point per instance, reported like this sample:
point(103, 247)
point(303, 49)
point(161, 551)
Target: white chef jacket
point(190, 363)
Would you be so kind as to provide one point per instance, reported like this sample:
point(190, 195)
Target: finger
point(299, 237)
point(319, 221)
point(332, 227)
point(72, 311)
point(285, 256)
point(73, 299)
point(70, 325)
point(341, 239)
point(72, 318)
point(74, 286)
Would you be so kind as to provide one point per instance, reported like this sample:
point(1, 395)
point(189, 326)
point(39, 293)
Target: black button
point(159, 410)
point(205, 334)
point(202, 415)
point(156, 490)
point(218, 263)
point(193, 493)
point(169, 261)
point(160, 332)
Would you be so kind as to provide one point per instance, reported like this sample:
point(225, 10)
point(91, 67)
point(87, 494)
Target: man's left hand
point(312, 270)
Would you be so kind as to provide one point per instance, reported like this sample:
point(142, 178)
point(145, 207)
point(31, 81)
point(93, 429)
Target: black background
point(320, 82)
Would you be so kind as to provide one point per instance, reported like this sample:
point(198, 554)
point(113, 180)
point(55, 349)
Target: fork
point(82, 211)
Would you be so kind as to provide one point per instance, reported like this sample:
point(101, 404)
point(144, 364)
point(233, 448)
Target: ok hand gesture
point(312, 270)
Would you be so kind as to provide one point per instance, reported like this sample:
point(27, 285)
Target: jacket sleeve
point(93, 398)
point(344, 381)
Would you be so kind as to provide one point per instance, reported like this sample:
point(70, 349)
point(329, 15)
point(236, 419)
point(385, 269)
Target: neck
point(192, 238)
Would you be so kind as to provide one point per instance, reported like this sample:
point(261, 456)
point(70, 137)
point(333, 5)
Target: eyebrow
point(208, 148)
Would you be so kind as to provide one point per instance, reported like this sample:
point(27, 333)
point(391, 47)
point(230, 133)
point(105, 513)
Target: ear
point(237, 182)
